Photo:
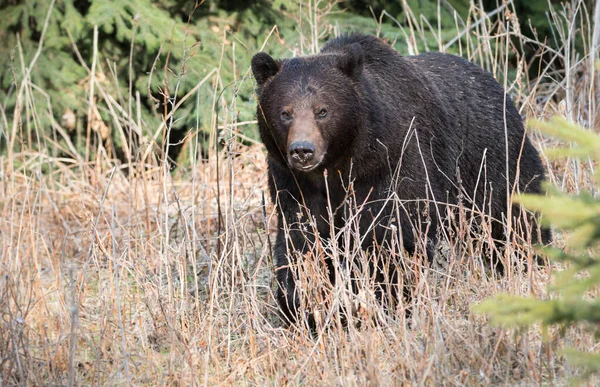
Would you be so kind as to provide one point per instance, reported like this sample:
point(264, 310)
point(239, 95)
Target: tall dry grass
point(131, 274)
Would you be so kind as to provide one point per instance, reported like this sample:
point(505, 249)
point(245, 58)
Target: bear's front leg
point(294, 241)
point(287, 297)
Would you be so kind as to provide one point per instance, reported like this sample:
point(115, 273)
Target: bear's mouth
point(306, 166)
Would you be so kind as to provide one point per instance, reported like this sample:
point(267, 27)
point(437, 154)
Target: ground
point(159, 302)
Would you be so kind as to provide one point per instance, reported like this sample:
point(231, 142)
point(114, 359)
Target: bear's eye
point(322, 113)
point(286, 115)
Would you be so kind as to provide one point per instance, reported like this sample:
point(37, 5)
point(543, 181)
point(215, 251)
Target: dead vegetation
point(158, 278)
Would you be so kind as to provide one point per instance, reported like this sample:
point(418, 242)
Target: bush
point(157, 49)
point(573, 291)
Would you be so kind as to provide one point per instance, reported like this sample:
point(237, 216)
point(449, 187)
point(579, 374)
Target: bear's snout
point(305, 145)
point(302, 152)
point(304, 155)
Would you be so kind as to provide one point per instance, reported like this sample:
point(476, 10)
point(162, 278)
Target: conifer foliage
point(158, 50)
point(573, 293)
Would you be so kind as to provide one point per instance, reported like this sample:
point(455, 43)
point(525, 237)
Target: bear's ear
point(264, 67)
point(351, 62)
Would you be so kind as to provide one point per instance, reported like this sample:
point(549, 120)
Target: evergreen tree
point(162, 47)
point(572, 300)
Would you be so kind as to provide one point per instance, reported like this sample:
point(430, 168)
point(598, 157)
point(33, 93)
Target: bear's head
point(309, 107)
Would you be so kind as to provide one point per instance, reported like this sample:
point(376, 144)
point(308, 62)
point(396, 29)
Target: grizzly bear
point(429, 130)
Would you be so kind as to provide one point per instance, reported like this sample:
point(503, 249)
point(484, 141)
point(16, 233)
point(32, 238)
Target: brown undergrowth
point(130, 274)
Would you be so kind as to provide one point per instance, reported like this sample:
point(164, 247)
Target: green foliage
point(573, 300)
point(57, 71)
point(121, 21)
point(163, 48)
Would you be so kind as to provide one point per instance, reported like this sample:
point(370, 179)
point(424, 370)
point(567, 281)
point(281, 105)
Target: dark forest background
point(151, 53)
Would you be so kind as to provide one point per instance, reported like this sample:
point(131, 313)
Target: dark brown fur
point(429, 128)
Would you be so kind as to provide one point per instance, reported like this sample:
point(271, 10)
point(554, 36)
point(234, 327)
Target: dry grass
point(158, 278)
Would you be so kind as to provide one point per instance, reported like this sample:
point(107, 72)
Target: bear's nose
point(302, 151)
